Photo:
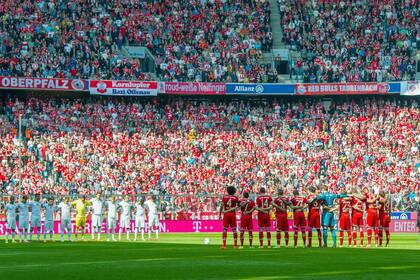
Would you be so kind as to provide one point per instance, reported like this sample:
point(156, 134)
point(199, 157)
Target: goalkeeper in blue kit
point(327, 198)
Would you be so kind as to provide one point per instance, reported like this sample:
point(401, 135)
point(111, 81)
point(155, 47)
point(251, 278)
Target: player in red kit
point(345, 222)
point(314, 216)
point(384, 217)
point(372, 216)
point(230, 202)
point(298, 204)
point(263, 208)
point(280, 204)
point(247, 207)
point(357, 203)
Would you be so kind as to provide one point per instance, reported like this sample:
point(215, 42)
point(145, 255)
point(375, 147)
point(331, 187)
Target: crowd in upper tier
point(209, 40)
point(352, 41)
point(202, 40)
point(197, 148)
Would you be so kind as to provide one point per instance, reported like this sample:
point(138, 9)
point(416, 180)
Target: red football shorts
point(263, 220)
point(229, 220)
point(299, 219)
point(314, 220)
point(345, 221)
point(357, 219)
point(246, 222)
point(282, 222)
point(372, 218)
point(384, 220)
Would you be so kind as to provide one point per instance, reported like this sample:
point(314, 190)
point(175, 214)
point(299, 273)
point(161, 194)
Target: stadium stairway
point(124, 53)
point(275, 25)
point(277, 34)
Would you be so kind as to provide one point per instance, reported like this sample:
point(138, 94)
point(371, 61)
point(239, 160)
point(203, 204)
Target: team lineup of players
point(321, 209)
point(99, 208)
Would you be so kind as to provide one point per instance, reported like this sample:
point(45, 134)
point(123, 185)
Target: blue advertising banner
point(260, 89)
point(400, 216)
point(394, 87)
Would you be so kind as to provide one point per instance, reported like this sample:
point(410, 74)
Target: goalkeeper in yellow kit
point(80, 206)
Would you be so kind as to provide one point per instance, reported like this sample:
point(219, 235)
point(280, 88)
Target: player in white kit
point(140, 219)
point(97, 208)
point(111, 219)
point(152, 215)
point(35, 208)
point(10, 212)
point(23, 207)
point(125, 217)
point(65, 211)
point(50, 208)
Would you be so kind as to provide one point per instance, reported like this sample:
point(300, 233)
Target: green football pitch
point(184, 256)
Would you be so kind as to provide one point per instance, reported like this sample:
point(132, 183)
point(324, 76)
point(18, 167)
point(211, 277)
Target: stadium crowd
point(199, 40)
point(189, 151)
point(352, 41)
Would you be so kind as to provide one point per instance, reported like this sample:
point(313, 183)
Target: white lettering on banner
point(245, 88)
point(130, 92)
point(2, 230)
point(405, 226)
point(181, 87)
point(331, 88)
point(194, 87)
point(119, 84)
point(196, 226)
point(313, 88)
point(34, 83)
point(162, 227)
point(29, 83)
point(209, 87)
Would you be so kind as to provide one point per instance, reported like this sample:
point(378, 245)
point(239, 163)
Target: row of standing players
point(321, 209)
point(97, 206)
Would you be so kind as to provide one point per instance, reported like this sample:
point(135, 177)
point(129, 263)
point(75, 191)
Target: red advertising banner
point(193, 88)
point(341, 88)
point(123, 88)
point(42, 83)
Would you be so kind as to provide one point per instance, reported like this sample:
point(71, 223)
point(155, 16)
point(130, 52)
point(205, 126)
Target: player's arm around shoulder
point(221, 211)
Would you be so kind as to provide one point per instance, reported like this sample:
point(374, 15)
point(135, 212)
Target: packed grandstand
point(187, 150)
point(209, 40)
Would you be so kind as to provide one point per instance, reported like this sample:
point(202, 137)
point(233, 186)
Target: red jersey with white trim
point(384, 207)
point(370, 196)
point(264, 201)
point(345, 206)
point(230, 201)
point(298, 201)
point(246, 205)
point(282, 202)
point(356, 202)
point(313, 205)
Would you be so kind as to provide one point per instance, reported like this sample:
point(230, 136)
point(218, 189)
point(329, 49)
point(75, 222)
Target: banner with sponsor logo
point(410, 88)
point(42, 84)
point(341, 88)
point(210, 226)
point(401, 216)
point(164, 226)
point(123, 88)
point(403, 226)
point(192, 88)
point(260, 89)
